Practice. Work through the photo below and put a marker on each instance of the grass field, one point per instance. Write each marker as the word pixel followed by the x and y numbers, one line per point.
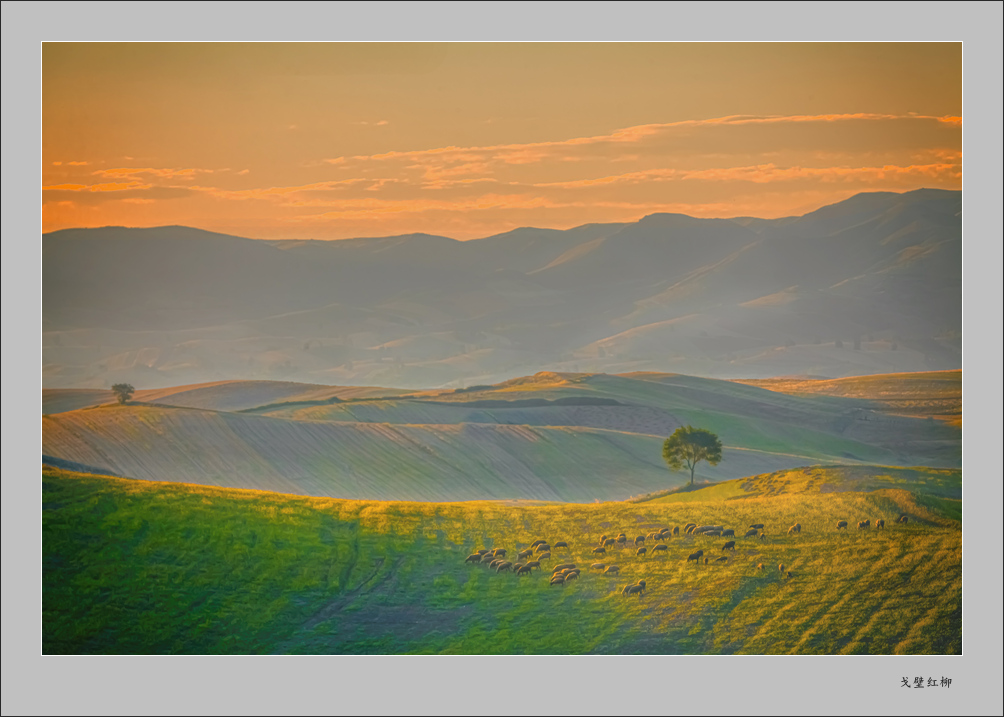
pixel 149 568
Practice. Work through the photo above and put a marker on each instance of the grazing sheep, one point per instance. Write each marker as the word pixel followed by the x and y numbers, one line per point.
pixel 791 530
pixel 622 538
pixel 487 558
pixel 504 565
pixel 558 580
pixel 880 523
pixel 689 529
pixel 565 566
pixel 706 561
pixel 788 574
pixel 535 543
pixel 499 552
pixel 641 584
pixel 660 547
pixel 696 557
pixel 902 519
pixel 639 540
pixel 751 533
pixel 653 535
pixel 495 563
pixel 561 544
pixel 729 533
pixel 864 524
pixel 640 552
pixel 573 575
pixel 730 545
pixel 759 566
pixel 600 551
pixel 633 590
pixel 688 526
pixel 724 558
pixel 524 553
pixel 524 570
pixel 797 527
pixel 543 548
pixel 533 564
pixel 482 551
pixel 611 570
pixel 544 556
pixel 473 558
pixel 757 526
pixel 603 538
pixel 780 567
pixel 597 566
pixel 608 542
pixel 763 536
pixel 841 524
pixel 516 567
pixel 676 530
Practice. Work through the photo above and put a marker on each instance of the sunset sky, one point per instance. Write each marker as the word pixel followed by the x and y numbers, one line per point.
pixel 328 141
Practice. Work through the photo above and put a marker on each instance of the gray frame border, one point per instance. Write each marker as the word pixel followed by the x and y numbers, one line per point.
pixel 32 684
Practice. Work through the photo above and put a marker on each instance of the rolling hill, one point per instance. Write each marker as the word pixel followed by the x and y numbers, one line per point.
pixel 136 567
pixel 869 285
pixel 550 436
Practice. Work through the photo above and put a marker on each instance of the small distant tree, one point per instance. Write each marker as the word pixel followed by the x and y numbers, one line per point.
pixel 688 446
pixel 123 392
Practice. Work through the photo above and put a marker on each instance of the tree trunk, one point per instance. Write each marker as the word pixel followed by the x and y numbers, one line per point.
pixel 692 467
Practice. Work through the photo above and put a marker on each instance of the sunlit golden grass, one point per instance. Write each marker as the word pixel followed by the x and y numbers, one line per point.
pixel 138 567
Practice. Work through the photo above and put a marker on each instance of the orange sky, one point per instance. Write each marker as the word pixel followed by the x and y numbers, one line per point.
pixel 327 141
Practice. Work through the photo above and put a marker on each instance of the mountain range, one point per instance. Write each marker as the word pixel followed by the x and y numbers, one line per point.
pixel 869 285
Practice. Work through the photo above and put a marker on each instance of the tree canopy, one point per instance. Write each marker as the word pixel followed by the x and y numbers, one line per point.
pixel 123 392
pixel 688 446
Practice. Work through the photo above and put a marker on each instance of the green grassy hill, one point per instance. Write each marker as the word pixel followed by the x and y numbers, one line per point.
pixel 136 567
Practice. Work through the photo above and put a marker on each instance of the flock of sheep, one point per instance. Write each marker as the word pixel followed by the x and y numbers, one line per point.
pixel 540 550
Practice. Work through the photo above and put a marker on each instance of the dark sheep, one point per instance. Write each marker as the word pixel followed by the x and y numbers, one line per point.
pixel 729 533
pixel 504 565
pixel 639 540
pixel 543 548
pixel 499 552
pixel 706 560
pixel 535 543
pixel 599 551
pixel 788 574
pixel 676 530
pixel 724 558
pixel 730 545
pixel 516 567
pixel 641 584
pixel 660 547
pixel 757 526
pixel 633 590
pixel 611 570
pixel 696 557
pixel 533 564
pixel 841 524
pixel 791 530
pixel 573 575
pixel 524 553
pixel 880 523
pixel 780 567
pixel 864 524
pixel 640 552
pixel 763 536
pixel 487 558
pixel 603 538
pixel 688 526
pixel 608 542
pixel 797 527
pixel 902 519
pixel 495 563
pixel 561 544
pixel 751 533
pixel 622 538
pixel 558 580
pixel 482 551
pixel 524 570
pixel 597 566
pixel 564 566
pixel 544 556
pixel 473 558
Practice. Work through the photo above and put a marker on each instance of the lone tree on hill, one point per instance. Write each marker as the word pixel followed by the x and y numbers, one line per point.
pixel 688 446
pixel 123 392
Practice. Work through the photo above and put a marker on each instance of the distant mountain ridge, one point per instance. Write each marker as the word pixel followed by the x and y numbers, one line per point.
pixel 868 285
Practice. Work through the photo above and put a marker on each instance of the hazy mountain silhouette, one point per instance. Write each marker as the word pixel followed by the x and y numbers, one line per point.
pixel 871 284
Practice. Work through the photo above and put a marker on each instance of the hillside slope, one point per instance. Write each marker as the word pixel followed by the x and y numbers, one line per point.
pixel 132 567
